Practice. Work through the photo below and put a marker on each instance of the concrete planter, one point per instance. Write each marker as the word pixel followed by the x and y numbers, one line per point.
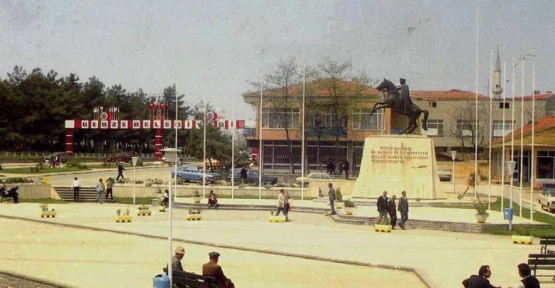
pixel 197 199
pixel 144 213
pixel 123 219
pixel 523 239
pixel 382 228
pixel 48 214
pixel 338 205
pixel 481 218
pixel 194 217
pixel 161 209
pixel 349 210
pixel 277 219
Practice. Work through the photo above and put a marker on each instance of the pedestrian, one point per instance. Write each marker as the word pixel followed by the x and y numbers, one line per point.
pixel 76 185
pixel 346 168
pixel 528 281
pixel 382 206
pixel 120 171
pixel 282 204
pixel 330 167
pixel 214 270
pixel 176 260
pixel 331 195
pixel 391 209
pixel 404 209
pixel 180 162
pixel 212 200
pixel 99 191
pixel 480 280
pixel 166 200
pixel 341 167
pixel 109 187
pixel 243 175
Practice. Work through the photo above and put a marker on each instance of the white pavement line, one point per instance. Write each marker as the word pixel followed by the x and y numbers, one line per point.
pixel 33 279
pixel 240 248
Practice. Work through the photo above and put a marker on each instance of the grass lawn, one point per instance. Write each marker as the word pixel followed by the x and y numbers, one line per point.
pixel 43 201
pixel 129 200
pixel 42 171
pixel 538 216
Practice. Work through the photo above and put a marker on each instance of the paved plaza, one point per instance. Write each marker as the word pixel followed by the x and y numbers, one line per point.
pixel 442 259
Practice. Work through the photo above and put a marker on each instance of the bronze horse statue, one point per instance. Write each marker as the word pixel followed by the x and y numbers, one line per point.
pixel 392 101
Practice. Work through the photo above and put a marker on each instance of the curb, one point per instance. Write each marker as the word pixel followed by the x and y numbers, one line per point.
pixel 7 175
pixel 30 278
pixel 233 247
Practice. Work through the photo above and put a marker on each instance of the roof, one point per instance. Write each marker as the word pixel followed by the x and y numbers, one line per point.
pixel 541 125
pixel 296 89
pixel 453 94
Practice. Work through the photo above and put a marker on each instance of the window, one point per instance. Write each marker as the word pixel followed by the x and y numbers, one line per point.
pixel 464 128
pixel 498 128
pixel 362 120
pixel 435 128
pixel 432 104
pixel 507 105
pixel 327 121
pixel 276 118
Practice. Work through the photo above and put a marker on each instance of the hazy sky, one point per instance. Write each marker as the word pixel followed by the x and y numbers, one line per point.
pixel 204 46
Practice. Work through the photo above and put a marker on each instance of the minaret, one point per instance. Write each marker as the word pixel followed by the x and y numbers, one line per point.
pixel 497 87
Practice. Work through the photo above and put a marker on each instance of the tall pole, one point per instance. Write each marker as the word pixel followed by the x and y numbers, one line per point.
pixel 233 143
pixel 260 147
pixel 522 128
pixel 134 185
pixel 453 177
pixel 204 145
pixel 490 128
pixel 170 235
pixel 533 168
pixel 176 118
pixel 302 134
pixel 476 110
pixel 503 139
pixel 513 125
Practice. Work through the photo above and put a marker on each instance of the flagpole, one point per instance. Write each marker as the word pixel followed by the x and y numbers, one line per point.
pixel 522 127
pixel 204 144
pixel 260 147
pixel 233 143
pixel 476 110
pixel 490 126
pixel 302 135
pixel 513 128
pixel 503 142
pixel 533 168
pixel 176 119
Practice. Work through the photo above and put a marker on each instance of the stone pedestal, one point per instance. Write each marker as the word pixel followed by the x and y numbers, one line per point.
pixel 396 163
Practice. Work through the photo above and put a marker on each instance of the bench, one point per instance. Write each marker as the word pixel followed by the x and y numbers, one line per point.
pixel 192 280
pixel 545 241
pixel 541 262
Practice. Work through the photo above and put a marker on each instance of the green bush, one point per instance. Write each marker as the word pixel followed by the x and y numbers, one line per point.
pixel 338 195
pixel 522 230
pixel 18 180
pixel 349 203
pixel 76 163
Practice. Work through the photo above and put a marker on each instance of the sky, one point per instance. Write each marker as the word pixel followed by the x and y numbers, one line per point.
pixel 212 48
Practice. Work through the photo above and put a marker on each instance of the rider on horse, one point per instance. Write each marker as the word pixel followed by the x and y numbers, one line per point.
pixel 404 102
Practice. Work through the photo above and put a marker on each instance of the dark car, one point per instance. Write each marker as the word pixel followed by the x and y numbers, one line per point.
pixel 121 157
pixel 252 177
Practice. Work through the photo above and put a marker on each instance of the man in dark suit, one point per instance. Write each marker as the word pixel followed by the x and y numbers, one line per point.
pixel 480 280
pixel 391 209
pixel 404 209
pixel 382 206
pixel 214 270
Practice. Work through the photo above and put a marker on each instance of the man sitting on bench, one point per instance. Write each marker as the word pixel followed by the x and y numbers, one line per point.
pixel 12 193
pixel 214 270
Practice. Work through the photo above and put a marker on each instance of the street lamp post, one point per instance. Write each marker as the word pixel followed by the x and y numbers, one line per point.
pixel 511 169
pixel 134 161
pixel 453 156
pixel 170 156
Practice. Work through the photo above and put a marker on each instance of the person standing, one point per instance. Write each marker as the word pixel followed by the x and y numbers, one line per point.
pixel 214 270
pixel 528 281
pixel 212 200
pixel 331 195
pixel 120 171
pixel 243 175
pixel 480 280
pixel 282 204
pixel 382 206
pixel 404 209
pixel 99 191
pixel 76 185
pixel 109 187
pixel 346 168
pixel 391 208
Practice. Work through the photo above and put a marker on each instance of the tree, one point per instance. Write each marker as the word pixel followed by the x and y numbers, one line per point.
pixel 463 118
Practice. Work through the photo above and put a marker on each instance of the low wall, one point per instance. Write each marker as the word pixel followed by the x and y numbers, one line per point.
pixel 32 191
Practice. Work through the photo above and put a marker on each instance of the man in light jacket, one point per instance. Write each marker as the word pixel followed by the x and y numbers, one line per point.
pixel 99 191
pixel 282 201
pixel 76 185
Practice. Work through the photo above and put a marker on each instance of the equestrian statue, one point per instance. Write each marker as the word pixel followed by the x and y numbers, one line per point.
pixel 401 103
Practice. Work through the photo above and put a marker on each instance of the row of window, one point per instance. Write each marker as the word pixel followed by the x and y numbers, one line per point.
pixel 502 105
pixel 465 128
pixel 290 118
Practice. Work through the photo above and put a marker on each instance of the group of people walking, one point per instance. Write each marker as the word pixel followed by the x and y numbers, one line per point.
pixel 388 207
pixel 211 268
pixel 343 166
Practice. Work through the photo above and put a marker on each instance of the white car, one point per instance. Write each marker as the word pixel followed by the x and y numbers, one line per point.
pixel 313 176
pixel 547 200
pixel 444 173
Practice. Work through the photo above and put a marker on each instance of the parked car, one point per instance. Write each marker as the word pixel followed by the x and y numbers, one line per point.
pixel 547 200
pixel 444 174
pixel 120 157
pixel 190 173
pixel 252 177
pixel 216 176
pixel 313 176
